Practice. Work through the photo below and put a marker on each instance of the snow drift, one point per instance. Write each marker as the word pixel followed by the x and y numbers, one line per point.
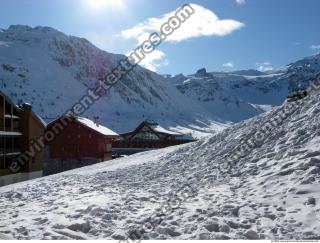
pixel 271 192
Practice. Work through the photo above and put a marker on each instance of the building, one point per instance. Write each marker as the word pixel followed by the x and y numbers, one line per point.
pixel 19 126
pixel 148 135
pixel 82 142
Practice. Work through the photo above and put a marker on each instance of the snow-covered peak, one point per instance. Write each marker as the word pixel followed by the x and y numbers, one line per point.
pixel 201 72
pixel 52 71
pixel 238 95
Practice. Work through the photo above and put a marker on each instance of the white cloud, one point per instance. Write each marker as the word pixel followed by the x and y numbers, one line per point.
pixel 228 65
pixel 241 2
pixel 203 22
pixel 264 66
pixel 166 62
pixel 153 60
pixel 315 47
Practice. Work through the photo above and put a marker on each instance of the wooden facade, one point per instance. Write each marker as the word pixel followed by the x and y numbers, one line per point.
pixel 82 138
pixel 148 135
pixel 19 126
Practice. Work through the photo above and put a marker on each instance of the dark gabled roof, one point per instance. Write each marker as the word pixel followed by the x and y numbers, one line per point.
pixel 154 127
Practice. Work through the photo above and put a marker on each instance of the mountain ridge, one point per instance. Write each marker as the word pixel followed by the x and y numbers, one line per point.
pixel 51 71
pixel 239 95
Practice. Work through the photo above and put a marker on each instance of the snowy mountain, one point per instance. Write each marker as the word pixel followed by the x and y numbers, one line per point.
pixel 52 71
pixel 271 190
pixel 235 96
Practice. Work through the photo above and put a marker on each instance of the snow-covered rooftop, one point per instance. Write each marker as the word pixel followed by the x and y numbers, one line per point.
pixel 159 128
pixel 99 128
pixel 40 119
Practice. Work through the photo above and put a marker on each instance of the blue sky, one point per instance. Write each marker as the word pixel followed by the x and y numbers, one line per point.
pixel 274 32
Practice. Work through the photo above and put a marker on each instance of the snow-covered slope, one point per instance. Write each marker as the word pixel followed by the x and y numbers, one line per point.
pixel 235 96
pixel 271 191
pixel 52 71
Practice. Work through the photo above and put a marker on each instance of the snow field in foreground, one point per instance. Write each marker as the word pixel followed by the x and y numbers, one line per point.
pixel 273 194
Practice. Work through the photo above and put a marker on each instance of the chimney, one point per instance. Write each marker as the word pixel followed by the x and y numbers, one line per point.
pixel 26 107
pixel 95 120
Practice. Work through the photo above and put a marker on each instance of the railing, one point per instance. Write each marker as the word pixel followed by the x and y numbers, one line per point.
pixel 8 152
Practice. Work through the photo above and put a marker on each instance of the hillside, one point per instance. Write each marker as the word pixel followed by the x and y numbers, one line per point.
pixel 269 192
pixel 239 95
pixel 52 71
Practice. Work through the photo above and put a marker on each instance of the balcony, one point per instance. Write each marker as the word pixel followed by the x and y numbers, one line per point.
pixel 10 146
pixel 10 133
pixel 9 152
pixel 9 124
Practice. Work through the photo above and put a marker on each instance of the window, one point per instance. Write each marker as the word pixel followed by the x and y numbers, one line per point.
pixel 16 126
pixel 79 136
pixel 1 145
pixel 145 129
pixel 145 136
pixel 2 163
pixel 8 124
pixel 109 147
